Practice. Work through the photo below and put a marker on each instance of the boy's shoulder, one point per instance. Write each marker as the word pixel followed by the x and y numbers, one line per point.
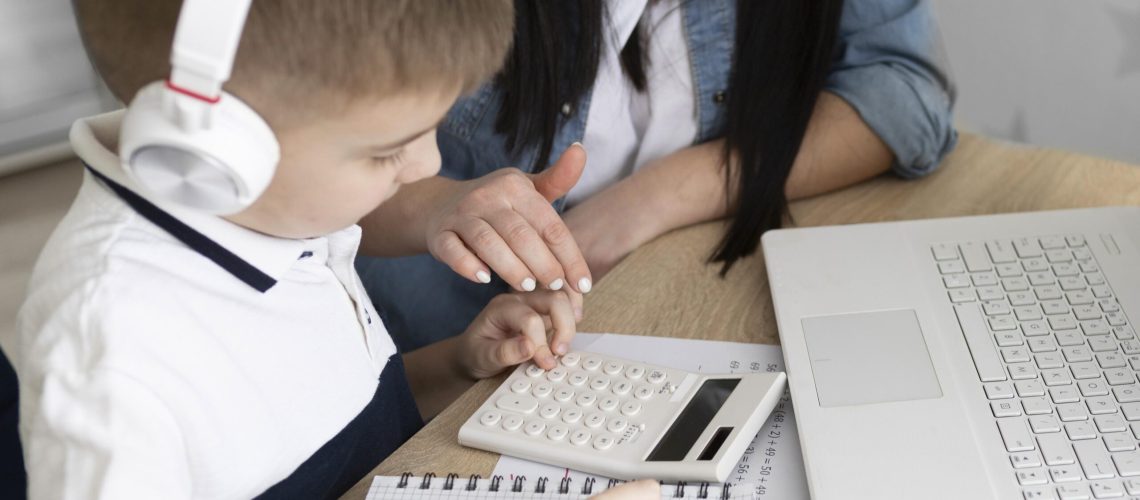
pixel 104 273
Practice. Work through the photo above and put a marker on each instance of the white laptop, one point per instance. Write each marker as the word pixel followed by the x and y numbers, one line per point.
pixel 964 358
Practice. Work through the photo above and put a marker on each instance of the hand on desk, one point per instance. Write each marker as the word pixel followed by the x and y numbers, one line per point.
pixel 645 489
pixel 503 222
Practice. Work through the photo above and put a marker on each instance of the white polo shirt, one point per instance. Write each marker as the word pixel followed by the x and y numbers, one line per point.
pixel 155 368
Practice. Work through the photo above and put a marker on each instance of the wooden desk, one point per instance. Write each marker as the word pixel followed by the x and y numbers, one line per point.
pixel 665 288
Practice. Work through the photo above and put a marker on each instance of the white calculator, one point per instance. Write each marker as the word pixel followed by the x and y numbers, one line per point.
pixel 625 420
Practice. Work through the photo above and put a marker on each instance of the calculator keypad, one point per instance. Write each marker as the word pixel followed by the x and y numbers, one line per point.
pixel 585 401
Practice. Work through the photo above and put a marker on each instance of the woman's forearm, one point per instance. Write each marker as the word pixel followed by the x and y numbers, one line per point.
pixel 838 150
pixel 688 187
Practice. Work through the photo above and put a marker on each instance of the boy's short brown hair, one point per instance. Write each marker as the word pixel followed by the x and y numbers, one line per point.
pixel 300 57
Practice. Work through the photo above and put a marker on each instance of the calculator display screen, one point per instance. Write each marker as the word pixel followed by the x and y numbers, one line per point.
pixel 689 426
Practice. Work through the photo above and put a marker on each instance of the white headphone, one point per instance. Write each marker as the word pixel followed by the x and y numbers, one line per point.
pixel 185 140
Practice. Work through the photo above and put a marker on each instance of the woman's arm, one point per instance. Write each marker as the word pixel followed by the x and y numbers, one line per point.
pixel 688 187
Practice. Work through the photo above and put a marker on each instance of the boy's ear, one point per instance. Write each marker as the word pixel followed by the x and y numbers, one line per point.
pixel 554 182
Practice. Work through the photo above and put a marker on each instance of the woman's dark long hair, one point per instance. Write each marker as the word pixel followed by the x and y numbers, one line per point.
pixel 783 52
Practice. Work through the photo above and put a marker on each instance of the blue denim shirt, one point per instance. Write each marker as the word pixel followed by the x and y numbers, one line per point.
pixel 889 67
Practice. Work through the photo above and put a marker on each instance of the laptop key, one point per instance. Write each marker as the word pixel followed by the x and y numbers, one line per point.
pixel 1027 247
pixel 1094 459
pixel 1107 489
pixel 1065 473
pixel 1127 393
pixel 1127 463
pixel 976 257
pixel 1056 449
pixel 1110 424
pixel 1024 459
pixel 998 390
pixel 1015 434
pixel 1073 492
pixel 1119 441
pixel 1001 251
pixel 945 251
pixel 1052 242
pixel 1041 424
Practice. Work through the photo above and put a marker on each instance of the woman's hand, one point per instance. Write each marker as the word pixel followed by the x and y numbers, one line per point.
pixel 503 222
pixel 515 328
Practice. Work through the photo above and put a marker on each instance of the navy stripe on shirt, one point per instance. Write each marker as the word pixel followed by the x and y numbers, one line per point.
pixel 197 241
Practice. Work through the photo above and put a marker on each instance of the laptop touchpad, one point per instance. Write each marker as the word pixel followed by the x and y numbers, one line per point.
pixel 872 357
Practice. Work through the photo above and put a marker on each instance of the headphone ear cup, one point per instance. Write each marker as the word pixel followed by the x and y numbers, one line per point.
pixel 213 157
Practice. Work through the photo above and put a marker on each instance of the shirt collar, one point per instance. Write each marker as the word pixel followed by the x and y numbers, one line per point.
pixel 257 259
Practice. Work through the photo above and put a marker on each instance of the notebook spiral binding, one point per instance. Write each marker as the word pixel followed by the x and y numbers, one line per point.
pixel 518 485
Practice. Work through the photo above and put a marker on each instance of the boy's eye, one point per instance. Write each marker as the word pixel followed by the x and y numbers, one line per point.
pixel 389 159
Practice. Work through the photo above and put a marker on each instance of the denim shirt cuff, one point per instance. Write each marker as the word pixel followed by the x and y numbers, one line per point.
pixel 912 116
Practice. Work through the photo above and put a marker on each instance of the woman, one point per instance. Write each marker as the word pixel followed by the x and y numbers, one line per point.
pixel 692 110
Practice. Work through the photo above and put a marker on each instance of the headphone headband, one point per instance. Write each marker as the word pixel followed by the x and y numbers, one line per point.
pixel 205 42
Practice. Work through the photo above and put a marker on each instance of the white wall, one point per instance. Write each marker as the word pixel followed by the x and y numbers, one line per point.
pixel 1059 73
pixel 45 81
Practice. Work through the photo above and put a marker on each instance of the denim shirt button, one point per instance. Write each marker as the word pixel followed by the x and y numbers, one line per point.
pixel 719 97
pixel 567 109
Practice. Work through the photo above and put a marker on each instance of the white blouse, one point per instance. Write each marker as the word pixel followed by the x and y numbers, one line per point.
pixel 627 129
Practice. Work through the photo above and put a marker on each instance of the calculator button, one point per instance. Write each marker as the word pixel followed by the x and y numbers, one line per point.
pixel 520 386
pixel 571 359
pixel 630 408
pixel 534 427
pixel 599 383
pixel 586 399
pixel 608 403
pixel 578 378
pixel 556 375
pixel 592 363
pixel 617 425
pixel 634 372
pixel 603 442
pixel 656 377
pixel 543 390
pixel 563 394
pixel 572 415
pixel 612 367
pixel 534 371
pixel 490 418
pixel 622 388
pixel 557 432
pixel 512 422
pixel 580 437
pixel 643 392
pixel 549 410
pixel 520 403
pixel 595 420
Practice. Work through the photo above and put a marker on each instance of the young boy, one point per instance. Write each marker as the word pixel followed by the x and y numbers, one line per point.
pixel 151 368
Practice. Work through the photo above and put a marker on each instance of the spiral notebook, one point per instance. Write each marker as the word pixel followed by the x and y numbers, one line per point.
pixel 452 487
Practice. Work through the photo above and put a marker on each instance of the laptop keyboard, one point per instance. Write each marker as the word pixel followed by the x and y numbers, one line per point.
pixel 1057 359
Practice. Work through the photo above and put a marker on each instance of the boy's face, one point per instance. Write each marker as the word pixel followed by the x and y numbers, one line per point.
pixel 337 169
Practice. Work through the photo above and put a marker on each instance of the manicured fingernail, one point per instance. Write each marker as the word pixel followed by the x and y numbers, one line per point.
pixel 560 348
pixel 483 277
pixel 584 285
pixel 556 284
pixel 528 284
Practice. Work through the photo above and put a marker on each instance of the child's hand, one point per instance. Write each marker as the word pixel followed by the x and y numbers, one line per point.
pixel 645 489
pixel 503 222
pixel 515 328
